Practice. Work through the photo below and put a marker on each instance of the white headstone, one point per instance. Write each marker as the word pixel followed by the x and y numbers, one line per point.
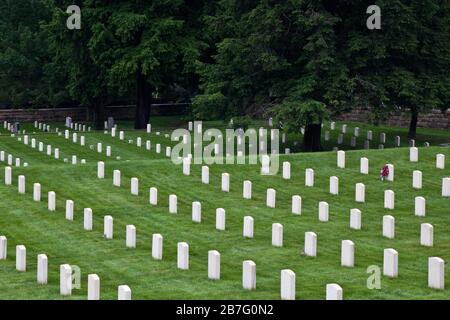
pixel 347 253
pixel 33 143
pixel 310 247
pixel 121 135
pixel 130 236
pixel 214 265
pixel 116 178
pixel 108 227
pixel 369 135
pixel 271 198
pixel 419 206
pixel 225 182
pixel 248 227
pixel 100 169
pixel 247 189
pixel 186 166
pixel 21 184
pixel 287 286
pixel 123 292
pixel 249 275
pixel 158 148
pixel 21 258
pixel 364 165
pixel 205 174
pixel 69 209
pixel 74 159
pixel 157 246
pixel 417 179
pixel 277 235
pixel 446 187
pixel 41 146
pixel 327 135
pixel 265 164
pixel 220 219
pixel 93 287
pixel 426 235
pixel 360 192
pixel 108 151
pixel 436 273
pixel 323 211
pixel 87 219
pixel 153 196
pixel 309 177
pixel 355 219
pixel 42 269
pixel 334 292
pixel 389 199
pixel 341 159
pixel 183 256
pixel 37 192
pixel 440 161
pixel 65 280
pixel 286 170
pixel 334 185
pixel 389 227
pixel 8 176
pixel 196 211
pixel 56 153
pixel 296 205
pixel 390 263
pixel 51 201
pixel 172 203
pixel 390 176
pixel 413 154
pixel 135 186
pixel 3 247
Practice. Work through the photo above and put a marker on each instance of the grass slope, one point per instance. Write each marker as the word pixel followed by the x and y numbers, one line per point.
pixel 24 221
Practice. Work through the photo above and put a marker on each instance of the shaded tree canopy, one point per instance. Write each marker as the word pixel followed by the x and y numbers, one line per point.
pixel 301 61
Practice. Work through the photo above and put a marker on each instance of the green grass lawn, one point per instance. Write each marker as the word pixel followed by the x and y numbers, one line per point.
pixel 26 222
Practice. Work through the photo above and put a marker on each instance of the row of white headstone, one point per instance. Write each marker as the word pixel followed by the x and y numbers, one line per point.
pixel 357 133
pixel 10 159
pixel 65 274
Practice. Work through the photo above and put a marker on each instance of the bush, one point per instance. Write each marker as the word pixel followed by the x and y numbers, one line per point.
pixel 240 122
pixel 209 106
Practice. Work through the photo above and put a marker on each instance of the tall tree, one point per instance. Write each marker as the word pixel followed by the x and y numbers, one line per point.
pixel 23 53
pixel 72 61
pixel 142 45
pixel 403 66
pixel 275 57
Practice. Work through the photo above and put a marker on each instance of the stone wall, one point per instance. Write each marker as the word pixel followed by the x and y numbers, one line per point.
pixel 434 119
pixel 28 115
pixel 83 114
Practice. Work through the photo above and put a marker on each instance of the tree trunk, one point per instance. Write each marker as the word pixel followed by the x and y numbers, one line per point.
pixel 311 139
pixel 143 102
pixel 99 116
pixel 413 124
